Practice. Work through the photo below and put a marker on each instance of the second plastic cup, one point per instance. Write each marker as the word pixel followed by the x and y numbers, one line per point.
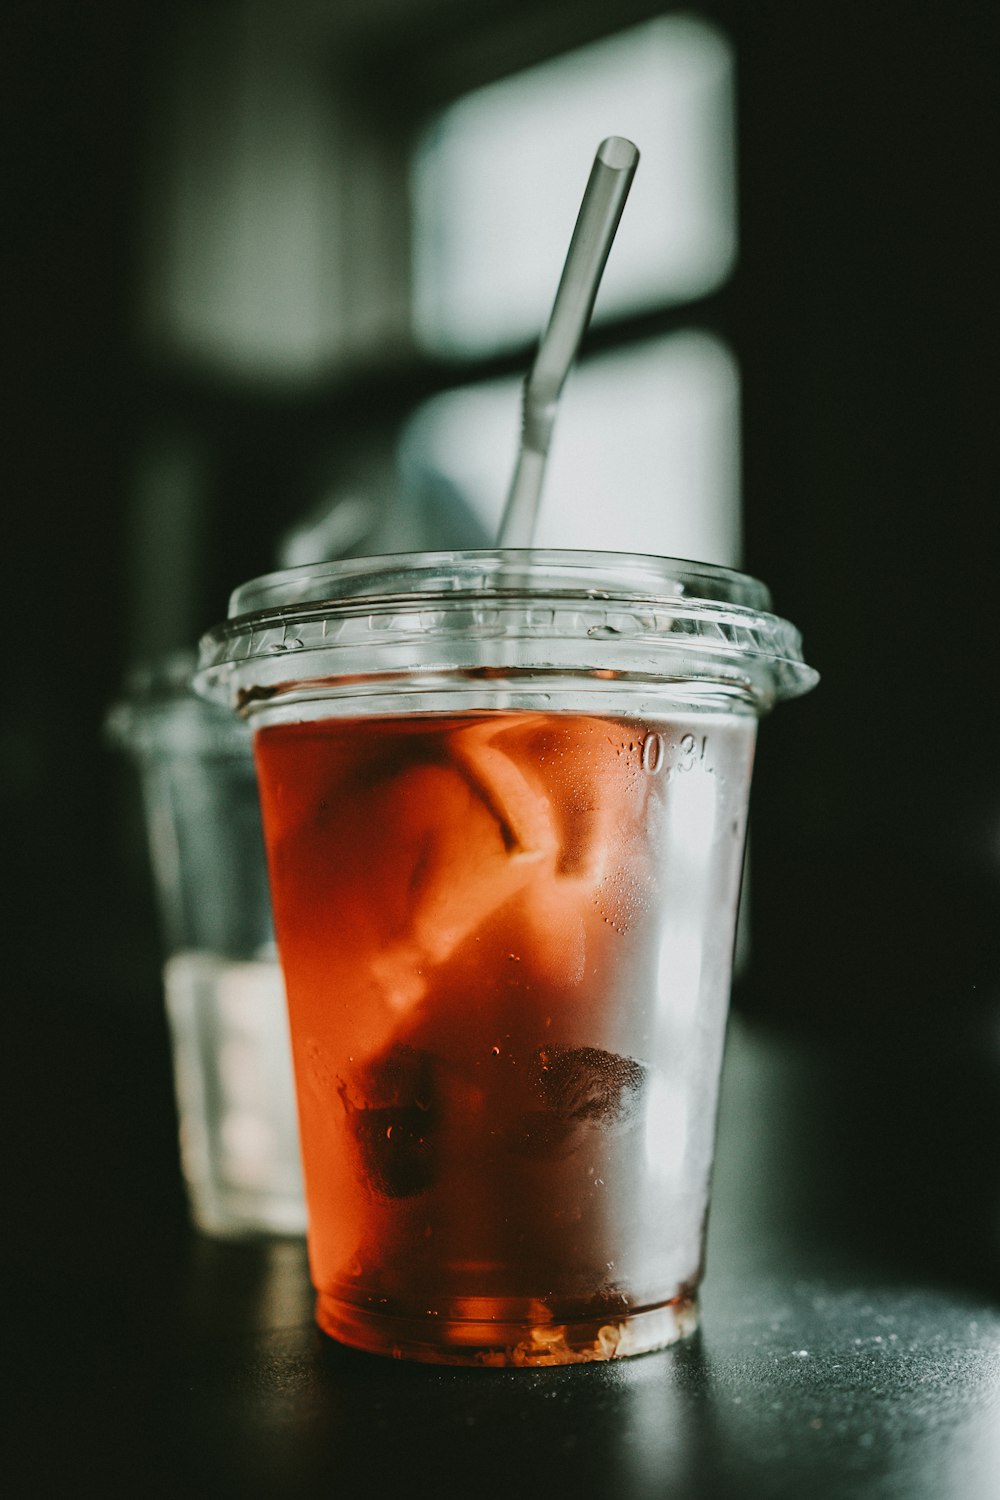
pixel 222 983
pixel 505 801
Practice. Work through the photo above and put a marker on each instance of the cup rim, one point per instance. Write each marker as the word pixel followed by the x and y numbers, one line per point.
pixel 322 628
pixel 492 570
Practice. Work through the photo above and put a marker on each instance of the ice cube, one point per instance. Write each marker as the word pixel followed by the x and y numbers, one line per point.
pixel 523 810
pixel 393 1114
pixel 569 795
pixel 535 816
pixel 455 862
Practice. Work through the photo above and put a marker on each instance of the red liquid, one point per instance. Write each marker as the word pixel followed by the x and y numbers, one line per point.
pixel 469 912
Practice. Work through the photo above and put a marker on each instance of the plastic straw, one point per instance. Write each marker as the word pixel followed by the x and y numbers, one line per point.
pixel 596 225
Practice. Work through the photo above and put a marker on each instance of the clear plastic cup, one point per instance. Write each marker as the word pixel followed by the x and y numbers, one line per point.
pixel 505 800
pixel 223 985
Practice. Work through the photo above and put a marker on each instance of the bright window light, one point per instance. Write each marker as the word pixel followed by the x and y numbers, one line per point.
pixel 645 455
pixel 498 178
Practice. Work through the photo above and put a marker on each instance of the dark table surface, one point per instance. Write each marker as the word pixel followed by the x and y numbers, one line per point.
pixel 850 1338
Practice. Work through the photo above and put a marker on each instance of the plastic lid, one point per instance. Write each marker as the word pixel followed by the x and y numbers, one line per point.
pixel 512 613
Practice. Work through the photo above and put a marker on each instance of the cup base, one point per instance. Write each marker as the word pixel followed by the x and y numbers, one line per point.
pixel 513 1341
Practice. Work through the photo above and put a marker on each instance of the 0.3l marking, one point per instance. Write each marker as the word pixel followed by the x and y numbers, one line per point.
pixel 690 751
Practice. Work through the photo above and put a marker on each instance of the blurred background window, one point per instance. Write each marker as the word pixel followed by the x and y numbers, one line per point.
pixel 498 177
